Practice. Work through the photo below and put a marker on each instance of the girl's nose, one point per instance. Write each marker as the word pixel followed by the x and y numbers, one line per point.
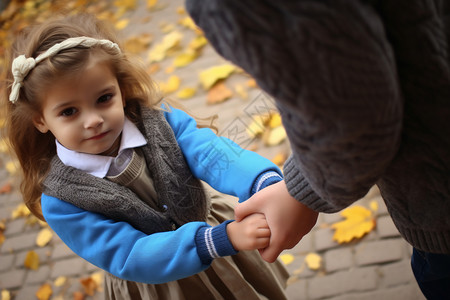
pixel 92 120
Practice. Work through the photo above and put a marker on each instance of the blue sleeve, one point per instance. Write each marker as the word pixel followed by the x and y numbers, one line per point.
pixel 219 161
pixel 127 253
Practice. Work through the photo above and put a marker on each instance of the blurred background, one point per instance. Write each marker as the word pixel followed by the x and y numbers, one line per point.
pixel 355 254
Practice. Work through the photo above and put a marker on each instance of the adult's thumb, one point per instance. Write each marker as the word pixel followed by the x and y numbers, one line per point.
pixel 244 209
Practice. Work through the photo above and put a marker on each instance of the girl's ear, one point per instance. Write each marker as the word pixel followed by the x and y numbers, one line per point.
pixel 40 124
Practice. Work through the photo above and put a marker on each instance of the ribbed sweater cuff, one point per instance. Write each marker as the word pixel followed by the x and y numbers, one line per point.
pixel 300 189
pixel 264 180
pixel 213 242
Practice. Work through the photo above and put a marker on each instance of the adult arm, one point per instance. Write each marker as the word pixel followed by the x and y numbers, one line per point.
pixel 331 69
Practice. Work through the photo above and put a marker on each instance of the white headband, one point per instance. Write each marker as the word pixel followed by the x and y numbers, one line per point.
pixel 21 65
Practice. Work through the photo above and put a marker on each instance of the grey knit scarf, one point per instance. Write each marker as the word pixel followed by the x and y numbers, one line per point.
pixel 181 195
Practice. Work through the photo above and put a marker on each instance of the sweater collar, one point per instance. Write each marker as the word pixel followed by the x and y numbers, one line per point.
pixel 98 165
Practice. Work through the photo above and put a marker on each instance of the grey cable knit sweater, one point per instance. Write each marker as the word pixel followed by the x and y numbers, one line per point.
pixel 364 91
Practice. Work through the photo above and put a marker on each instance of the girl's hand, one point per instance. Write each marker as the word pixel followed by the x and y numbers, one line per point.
pixel 289 220
pixel 250 233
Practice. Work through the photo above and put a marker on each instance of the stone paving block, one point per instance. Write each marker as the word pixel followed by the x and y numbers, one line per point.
pixel 61 250
pixel 383 251
pixel 68 267
pixel 20 242
pixel 299 269
pixel 338 259
pixel 403 292
pixel 358 279
pixel 386 227
pixel 27 292
pixel 6 261
pixel 396 273
pixel 323 239
pixel 14 227
pixel 6 211
pixel 40 275
pixel 43 254
pixel 297 290
pixel 12 279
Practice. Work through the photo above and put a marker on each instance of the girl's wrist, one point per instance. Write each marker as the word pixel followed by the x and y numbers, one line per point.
pixel 213 242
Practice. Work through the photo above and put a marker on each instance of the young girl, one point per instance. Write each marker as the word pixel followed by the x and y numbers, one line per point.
pixel 116 174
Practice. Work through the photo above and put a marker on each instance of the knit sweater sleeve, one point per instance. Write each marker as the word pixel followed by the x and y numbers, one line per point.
pixel 127 253
pixel 331 69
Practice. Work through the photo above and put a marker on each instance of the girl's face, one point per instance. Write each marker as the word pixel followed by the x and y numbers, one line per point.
pixel 85 113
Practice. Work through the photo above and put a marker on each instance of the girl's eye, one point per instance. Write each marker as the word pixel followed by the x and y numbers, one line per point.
pixel 68 112
pixel 105 98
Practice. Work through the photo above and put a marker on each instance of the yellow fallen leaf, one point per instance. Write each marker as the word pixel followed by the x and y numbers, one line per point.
pixel 11 167
pixel 181 10
pixel 172 84
pixel 184 59
pixel 125 4
pixel 169 70
pixel 2 238
pixel 256 127
pixel 251 83
pixel 211 75
pixel 44 237
pixel 166 27
pixel 98 277
pixel 279 159
pixel 20 211
pixel 374 206
pixel 287 258
pixel 358 221
pixel 313 261
pixel 186 93
pixel 122 24
pixel 6 295
pixel 31 260
pixel 275 120
pixel 44 292
pixel 153 68
pixel 159 50
pixel 3 146
pixel 89 286
pixel 137 44
pixel 218 93
pixel 188 23
pixel 241 91
pixel 60 281
pixel 198 43
pixel 151 3
pixel 275 136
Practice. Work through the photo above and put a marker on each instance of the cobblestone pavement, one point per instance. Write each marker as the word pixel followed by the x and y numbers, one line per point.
pixel 374 267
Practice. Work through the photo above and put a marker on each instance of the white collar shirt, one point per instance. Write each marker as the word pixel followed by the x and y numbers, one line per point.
pixel 99 165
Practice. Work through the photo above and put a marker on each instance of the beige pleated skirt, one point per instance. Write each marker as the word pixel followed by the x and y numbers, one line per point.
pixel 245 276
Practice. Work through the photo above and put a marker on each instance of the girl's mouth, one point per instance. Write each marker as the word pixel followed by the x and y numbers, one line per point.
pixel 97 137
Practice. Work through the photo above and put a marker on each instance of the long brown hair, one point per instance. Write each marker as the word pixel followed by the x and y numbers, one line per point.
pixel 34 150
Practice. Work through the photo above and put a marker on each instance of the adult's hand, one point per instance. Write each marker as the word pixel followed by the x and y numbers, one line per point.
pixel 288 219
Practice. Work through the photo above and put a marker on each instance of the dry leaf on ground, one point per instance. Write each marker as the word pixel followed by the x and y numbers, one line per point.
pixel 358 222
pixel 218 93
pixel 186 93
pixel 313 261
pixel 287 258
pixel 211 75
pixel 44 237
pixel 31 260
